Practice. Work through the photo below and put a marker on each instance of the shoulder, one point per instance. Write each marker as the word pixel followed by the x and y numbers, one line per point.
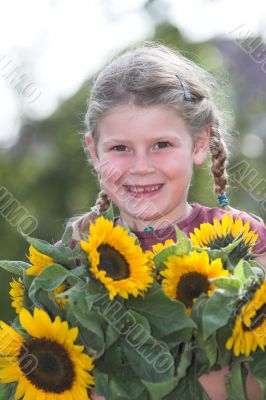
pixel 207 214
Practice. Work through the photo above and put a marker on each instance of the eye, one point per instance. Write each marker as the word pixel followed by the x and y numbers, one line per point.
pixel 119 147
pixel 164 144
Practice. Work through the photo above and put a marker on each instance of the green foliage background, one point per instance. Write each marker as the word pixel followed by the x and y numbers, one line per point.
pixel 47 171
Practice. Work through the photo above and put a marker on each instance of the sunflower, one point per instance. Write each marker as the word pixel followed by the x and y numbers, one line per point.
pixel 221 234
pixel 38 260
pixel 47 365
pixel 17 292
pixel 61 301
pixel 187 277
pixel 249 330
pixel 150 262
pixel 156 248
pixel 116 260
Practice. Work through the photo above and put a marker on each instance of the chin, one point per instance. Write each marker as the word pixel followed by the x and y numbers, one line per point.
pixel 148 219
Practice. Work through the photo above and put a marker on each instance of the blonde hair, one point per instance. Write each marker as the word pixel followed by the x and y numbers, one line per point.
pixel 154 74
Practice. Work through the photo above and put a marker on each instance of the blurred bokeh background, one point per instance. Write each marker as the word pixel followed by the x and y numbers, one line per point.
pixel 50 51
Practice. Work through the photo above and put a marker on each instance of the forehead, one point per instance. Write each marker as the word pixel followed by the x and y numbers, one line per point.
pixel 131 121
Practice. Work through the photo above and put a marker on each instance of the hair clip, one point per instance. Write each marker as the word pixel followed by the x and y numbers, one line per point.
pixel 223 200
pixel 187 95
pixel 96 210
pixel 148 229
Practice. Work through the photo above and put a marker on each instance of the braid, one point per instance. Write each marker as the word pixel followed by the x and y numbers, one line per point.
pixel 219 160
pixel 81 225
pixel 103 202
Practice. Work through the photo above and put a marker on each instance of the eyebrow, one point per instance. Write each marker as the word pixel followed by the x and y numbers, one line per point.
pixel 167 137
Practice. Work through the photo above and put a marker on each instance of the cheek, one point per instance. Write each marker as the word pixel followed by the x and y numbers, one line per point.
pixel 177 166
pixel 112 168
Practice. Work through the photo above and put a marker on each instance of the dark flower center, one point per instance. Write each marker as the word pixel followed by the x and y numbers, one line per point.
pixel 47 365
pixel 240 251
pixel 257 320
pixel 219 242
pixel 114 263
pixel 191 286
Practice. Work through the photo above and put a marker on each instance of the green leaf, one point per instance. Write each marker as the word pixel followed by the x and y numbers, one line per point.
pixel 164 314
pixel 141 321
pixel 163 255
pixel 185 361
pixel 176 338
pixel 181 247
pixel 197 309
pixel 101 383
pixel 151 361
pixel 188 388
pixel 232 245
pixel 14 267
pixel 258 270
pixel 48 280
pixel 258 368
pixel 243 271
pixel 224 355
pixel 235 381
pixel 96 288
pixel 43 299
pixel 207 346
pixel 76 290
pixel 217 253
pixel 7 392
pixel 111 336
pixel 201 249
pixel 230 283
pixel 109 214
pixel 183 242
pixel 67 235
pixel 217 311
pixel 79 293
pixel 4 395
pixel 60 254
pixel 92 323
pixel 111 360
pixel 125 385
pixel 158 390
pixel 210 348
pixel 53 276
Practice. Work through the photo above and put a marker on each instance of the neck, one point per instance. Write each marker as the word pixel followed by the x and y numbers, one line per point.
pixel 160 223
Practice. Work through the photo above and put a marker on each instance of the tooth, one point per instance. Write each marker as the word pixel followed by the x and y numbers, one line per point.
pixel 141 190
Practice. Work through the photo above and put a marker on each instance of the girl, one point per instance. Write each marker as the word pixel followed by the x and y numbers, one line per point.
pixel 151 117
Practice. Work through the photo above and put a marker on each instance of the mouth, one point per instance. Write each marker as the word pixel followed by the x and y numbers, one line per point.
pixel 143 190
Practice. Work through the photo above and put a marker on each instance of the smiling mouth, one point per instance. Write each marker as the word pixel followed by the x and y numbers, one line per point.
pixel 143 189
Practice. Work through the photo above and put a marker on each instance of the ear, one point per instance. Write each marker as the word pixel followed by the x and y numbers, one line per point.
pixel 201 146
pixel 91 147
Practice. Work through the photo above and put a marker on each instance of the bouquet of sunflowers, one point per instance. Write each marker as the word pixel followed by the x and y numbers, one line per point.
pixel 135 325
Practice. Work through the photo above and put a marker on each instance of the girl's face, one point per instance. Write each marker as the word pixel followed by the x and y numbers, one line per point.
pixel 145 156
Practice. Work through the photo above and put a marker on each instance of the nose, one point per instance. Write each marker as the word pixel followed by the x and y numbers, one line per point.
pixel 141 165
